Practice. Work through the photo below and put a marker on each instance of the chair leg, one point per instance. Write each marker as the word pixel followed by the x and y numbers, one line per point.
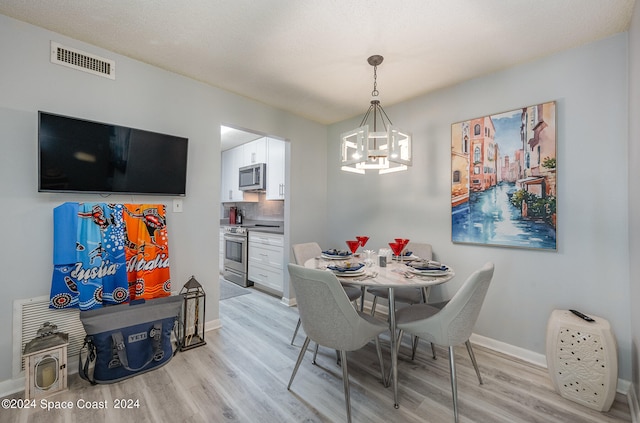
pixel 414 346
pixel 454 383
pixel 345 380
pixel 315 353
pixel 373 304
pixel 400 335
pixel 473 360
pixel 379 351
pixel 295 369
pixel 295 332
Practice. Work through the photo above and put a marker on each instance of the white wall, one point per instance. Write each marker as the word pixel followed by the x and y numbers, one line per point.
pixel 590 270
pixel 634 193
pixel 142 97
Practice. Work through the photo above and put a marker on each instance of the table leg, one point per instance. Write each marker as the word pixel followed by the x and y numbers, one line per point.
pixel 394 349
pixel 364 290
pixel 425 293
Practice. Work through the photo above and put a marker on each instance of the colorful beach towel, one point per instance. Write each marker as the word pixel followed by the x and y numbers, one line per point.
pixel 147 251
pixel 102 252
pixel 64 290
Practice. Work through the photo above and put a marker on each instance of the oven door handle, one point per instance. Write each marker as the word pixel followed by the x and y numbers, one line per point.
pixel 239 238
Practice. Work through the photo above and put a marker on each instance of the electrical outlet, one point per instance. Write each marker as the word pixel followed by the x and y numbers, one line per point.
pixel 177 206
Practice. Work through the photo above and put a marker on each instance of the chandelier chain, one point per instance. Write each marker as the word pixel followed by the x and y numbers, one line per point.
pixel 375 92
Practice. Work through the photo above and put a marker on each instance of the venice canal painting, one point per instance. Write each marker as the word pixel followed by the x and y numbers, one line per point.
pixel 503 179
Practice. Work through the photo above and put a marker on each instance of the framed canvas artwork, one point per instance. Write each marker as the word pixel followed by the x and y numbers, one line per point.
pixel 503 179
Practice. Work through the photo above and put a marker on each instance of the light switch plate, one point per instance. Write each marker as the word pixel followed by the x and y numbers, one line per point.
pixel 177 206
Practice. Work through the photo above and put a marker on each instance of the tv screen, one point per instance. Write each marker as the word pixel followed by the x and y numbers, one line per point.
pixel 77 155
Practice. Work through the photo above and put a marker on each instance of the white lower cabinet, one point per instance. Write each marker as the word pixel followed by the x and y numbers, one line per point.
pixel 266 260
pixel 221 250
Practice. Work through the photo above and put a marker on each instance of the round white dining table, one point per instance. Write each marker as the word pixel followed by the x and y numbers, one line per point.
pixel 394 275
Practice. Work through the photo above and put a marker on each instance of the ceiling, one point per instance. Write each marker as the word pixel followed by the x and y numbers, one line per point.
pixel 310 57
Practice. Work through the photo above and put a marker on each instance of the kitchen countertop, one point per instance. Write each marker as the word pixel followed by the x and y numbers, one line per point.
pixel 268 226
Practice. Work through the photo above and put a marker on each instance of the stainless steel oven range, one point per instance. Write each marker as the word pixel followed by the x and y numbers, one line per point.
pixel 236 255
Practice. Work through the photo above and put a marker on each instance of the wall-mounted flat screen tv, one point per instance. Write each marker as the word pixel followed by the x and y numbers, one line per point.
pixel 77 155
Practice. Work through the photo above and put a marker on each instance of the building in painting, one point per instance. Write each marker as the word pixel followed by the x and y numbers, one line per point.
pixel 459 163
pixel 484 155
pixel 538 134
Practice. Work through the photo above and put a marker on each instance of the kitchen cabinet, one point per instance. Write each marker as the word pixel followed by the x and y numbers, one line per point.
pixel 231 161
pixel 254 152
pixel 230 164
pixel 275 169
pixel 221 252
pixel 266 260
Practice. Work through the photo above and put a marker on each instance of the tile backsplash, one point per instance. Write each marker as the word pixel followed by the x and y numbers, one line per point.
pixel 262 210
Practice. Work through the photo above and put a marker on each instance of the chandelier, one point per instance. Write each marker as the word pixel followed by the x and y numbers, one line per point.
pixel 384 148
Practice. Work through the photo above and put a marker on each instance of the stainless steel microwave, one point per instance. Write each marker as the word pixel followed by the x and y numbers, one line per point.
pixel 253 177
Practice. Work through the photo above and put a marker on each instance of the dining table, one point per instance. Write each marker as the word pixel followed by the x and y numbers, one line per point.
pixel 395 274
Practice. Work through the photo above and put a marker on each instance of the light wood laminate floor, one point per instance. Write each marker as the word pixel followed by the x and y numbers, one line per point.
pixel 241 375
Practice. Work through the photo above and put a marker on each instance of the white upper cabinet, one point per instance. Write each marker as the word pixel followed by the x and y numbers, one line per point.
pixel 254 152
pixel 230 164
pixel 275 169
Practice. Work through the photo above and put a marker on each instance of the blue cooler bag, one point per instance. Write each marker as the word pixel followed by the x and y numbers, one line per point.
pixel 128 339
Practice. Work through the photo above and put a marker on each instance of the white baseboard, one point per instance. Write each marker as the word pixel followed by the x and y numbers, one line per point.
pixel 213 325
pixel 289 302
pixel 508 349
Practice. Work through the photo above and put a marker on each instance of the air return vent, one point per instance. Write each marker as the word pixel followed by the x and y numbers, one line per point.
pixel 29 314
pixel 82 61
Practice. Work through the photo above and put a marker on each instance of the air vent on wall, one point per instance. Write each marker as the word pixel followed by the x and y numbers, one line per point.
pixel 82 61
pixel 29 314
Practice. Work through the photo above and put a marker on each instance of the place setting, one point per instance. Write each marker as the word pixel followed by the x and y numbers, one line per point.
pixel 335 254
pixel 342 265
pixel 338 254
pixel 351 271
pixel 427 268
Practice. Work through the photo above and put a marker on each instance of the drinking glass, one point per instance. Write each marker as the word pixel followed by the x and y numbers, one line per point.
pixel 404 242
pixel 397 248
pixel 353 245
pixel 363 240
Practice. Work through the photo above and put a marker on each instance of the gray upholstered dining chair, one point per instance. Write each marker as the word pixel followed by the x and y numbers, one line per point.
pixel 329 319
pixel 407 295
pixel 452 324
pixel 305 251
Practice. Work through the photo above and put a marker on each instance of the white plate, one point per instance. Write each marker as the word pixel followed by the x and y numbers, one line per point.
pixel 328 257
pixel 349 273
pixel 434 272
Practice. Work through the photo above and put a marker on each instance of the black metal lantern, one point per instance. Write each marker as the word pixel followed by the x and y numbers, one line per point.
pixel 192 319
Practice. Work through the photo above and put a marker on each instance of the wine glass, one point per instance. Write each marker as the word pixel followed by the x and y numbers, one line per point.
pixel 363 240
pixel 353 245
pixel 404 242
pixel 397 248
